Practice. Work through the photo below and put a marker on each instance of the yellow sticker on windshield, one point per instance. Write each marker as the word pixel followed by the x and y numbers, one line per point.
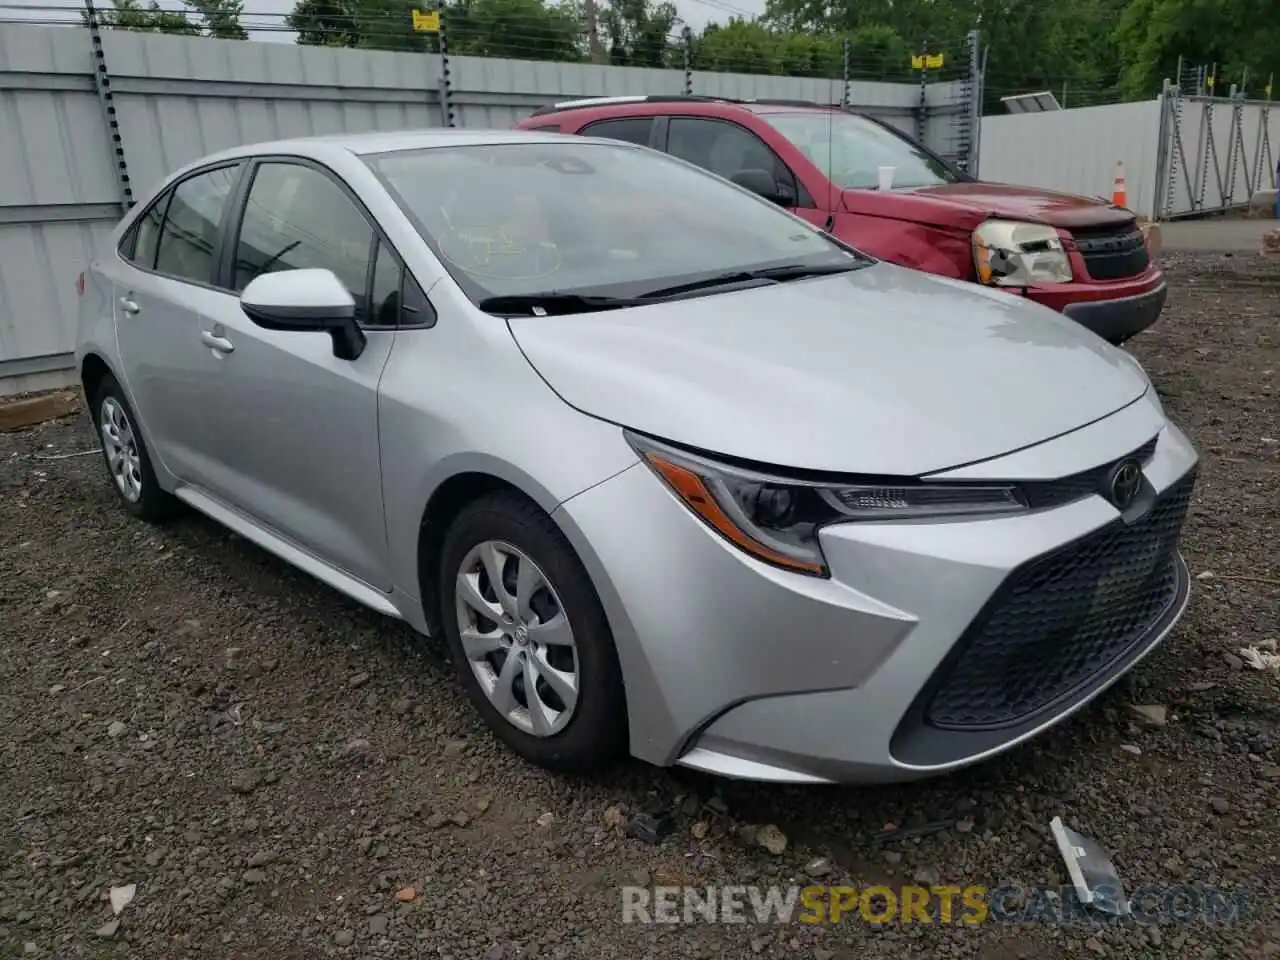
pixel 498 253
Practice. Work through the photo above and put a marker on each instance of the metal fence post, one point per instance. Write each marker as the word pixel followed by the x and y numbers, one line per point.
pixel 922 110
pixel 973 91
pixel 686 51
pixel 844 94
pixel 446 92
pixel 102 83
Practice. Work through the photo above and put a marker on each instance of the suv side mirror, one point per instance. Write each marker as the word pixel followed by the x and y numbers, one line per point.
pixel 310 299
pixel 762 183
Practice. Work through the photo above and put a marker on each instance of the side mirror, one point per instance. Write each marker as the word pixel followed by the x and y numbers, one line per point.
pixel 762 183
pixel 311 299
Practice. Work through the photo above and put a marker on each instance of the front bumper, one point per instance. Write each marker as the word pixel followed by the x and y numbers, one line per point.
pixel 1118 320
pixel 1113 309
pixel 740 669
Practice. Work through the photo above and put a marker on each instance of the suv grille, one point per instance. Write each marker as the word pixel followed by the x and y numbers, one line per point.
pixel 1063 619
pixel 1112 253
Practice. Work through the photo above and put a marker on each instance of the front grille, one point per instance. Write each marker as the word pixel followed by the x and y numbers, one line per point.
pixel 1055 493
pixel 1063 619
pixel 1110 253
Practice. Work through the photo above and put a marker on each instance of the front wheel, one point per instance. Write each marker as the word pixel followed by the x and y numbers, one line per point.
pixel 529 638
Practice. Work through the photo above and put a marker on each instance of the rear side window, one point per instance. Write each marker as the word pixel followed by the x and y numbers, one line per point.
pixel 189 234
pixel 545 127
pixel 630 130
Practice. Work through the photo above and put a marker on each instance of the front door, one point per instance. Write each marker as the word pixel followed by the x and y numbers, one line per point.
pixel 295 428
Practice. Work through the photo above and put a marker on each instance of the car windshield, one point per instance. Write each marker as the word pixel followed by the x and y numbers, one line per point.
pixel 850 150
pixel 590 218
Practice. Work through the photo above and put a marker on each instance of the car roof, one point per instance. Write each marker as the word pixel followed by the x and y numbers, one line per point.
pixel 374 142
pixel 691 102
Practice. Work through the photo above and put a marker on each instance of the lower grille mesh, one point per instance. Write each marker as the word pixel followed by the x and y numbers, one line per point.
pixel 1062 619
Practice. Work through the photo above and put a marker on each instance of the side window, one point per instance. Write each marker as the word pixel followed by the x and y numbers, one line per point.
pixel 728 150
pixel 546 127
pixel 140 249
pixel 296 217
pixel 631 129
pixel 384 302
pixel 190 230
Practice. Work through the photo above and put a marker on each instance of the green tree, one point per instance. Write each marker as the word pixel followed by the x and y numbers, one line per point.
pixel 217 18
pixel 637 33
pixel 518 29
pixel 1241 36
pixel 132 15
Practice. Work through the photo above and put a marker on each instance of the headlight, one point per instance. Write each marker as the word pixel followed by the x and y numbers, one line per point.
pixel 776 519
pixel 1007 253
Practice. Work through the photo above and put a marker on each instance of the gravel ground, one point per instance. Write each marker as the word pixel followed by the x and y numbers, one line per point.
pixel 272 766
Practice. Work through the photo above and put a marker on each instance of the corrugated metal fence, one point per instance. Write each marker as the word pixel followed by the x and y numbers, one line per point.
pixel 168 100
pixel 1184 156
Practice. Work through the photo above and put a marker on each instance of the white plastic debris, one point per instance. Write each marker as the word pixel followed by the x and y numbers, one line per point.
pixel 1092 874
pixel 1262 656
pixel 121 897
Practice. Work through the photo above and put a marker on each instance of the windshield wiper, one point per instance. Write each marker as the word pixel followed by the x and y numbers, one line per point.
pixel 552 303
pixel 793 271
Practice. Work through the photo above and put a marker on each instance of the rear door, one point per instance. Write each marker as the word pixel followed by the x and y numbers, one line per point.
pixel 295 428
pixel 162 283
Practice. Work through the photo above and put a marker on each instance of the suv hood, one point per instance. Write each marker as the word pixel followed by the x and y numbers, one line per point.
pixel 965 205
pixel 879 371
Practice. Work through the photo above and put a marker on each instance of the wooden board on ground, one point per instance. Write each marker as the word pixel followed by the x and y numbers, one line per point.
pixel 28 411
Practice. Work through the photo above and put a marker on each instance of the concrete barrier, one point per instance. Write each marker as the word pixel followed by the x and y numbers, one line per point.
pixel 1263 205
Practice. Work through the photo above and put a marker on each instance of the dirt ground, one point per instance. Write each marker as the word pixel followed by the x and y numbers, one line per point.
pixel 271 765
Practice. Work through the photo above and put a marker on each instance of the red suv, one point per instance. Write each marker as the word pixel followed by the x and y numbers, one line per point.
pixel 880 191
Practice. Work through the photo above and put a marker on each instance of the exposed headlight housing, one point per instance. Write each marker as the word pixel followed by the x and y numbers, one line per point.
pixel 1008 253
pixel 776 519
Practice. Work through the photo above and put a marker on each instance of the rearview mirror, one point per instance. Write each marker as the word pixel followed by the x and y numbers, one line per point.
pixel 762 183
pixel 310 299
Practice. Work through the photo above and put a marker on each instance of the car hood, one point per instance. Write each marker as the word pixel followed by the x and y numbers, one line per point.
pixel 966 205
pixel 881 370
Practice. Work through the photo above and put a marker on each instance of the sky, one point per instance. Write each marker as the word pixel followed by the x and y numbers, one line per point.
pixel 696 13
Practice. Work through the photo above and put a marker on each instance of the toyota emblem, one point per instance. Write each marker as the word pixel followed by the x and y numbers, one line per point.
pixel 1124 484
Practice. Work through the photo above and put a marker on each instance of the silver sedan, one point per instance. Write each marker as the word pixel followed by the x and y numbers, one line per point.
pixel 670 470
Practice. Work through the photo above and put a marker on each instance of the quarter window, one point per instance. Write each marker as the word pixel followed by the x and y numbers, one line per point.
pixel 146 235
pixel 296 217
pixel 189 235
pixel 384 305
pixel 630 130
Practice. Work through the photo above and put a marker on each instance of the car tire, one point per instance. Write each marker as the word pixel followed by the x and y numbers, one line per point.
pixel 510 531
pixel 125 454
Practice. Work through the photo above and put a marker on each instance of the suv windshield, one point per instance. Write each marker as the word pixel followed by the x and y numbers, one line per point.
pixel 607 220
pixel 849 150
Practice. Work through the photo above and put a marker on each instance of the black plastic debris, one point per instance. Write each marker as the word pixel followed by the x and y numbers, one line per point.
pixel 1091 871
pixel 649 827
pixel 907 833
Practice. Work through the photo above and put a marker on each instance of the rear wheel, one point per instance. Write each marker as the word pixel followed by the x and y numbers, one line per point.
pixel 126 456
pixel 529 637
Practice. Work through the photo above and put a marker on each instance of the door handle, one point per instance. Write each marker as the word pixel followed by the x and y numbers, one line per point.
pixel 129 305
pixel 221 344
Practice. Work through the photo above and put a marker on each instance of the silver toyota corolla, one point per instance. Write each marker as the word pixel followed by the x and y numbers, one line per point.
pixel 669 469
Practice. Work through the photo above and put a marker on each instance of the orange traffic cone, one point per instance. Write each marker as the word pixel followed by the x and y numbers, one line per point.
pixel 1117 188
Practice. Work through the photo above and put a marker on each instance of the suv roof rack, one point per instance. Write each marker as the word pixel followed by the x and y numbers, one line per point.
pixel 676 98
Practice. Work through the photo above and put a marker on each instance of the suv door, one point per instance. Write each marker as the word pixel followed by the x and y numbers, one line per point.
pixel 162 282
pixel 729 150
pixel 294 427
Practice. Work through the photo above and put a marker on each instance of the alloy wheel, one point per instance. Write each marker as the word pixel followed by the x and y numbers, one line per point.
pixel 120 444
pixel 516 638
